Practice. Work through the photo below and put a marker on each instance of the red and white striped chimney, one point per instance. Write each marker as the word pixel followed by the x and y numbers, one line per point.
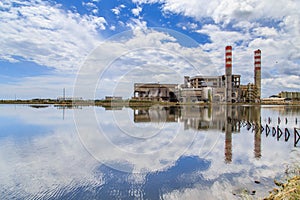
pixel 228 73
pixel 257 72
pixel 228 56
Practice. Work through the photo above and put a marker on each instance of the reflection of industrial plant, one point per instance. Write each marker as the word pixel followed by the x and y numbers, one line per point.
pixel 226 118
pixel 199 117
pixel 224 88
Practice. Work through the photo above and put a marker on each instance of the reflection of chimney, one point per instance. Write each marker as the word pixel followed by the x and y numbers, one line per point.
pixel 257 72
pixel 257 135
pixel 228 72
pixel 228 135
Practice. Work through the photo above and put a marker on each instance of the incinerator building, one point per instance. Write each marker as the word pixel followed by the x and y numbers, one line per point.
pixel 224 88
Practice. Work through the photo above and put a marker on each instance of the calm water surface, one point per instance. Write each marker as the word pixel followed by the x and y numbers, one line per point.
pixel 190 152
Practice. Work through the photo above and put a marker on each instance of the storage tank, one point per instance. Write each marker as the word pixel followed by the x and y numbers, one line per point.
pixel 207 94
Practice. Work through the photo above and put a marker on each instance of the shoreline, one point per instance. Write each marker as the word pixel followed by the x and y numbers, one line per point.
pixel 134 103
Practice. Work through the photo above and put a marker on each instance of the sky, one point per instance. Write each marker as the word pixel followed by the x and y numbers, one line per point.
pixel 98 48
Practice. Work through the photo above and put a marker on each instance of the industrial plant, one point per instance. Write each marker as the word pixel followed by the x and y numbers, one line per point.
pixel 225 88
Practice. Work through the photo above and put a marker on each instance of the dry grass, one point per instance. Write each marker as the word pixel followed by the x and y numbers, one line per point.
pixel 290 190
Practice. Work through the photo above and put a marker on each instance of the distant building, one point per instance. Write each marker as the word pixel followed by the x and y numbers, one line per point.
pixel 273 100
pixel 69 99
pixel 113 98
pixel 290 95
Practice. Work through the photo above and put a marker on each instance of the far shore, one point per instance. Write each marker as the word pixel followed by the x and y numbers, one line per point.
pixel 132 103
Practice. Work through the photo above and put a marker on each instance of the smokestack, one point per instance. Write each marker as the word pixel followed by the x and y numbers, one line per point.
pixel 228 73
pixel 257 72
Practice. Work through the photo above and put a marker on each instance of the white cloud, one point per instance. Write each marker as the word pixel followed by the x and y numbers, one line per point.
pixel 112 28
pixel 89 5
pixel 187 26
pixel 117 10
pixel 47 35
pixel 265 31
pixel 227 10
pixel 136 11
pixel 136 24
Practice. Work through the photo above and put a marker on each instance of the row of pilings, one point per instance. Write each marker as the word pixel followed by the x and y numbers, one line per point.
pixel 279 120
pixel 275 131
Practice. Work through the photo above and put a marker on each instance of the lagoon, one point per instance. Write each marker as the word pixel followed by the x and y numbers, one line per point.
pixel 157 152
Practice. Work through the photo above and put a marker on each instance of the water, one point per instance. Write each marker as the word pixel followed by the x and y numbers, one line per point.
pixel 157 153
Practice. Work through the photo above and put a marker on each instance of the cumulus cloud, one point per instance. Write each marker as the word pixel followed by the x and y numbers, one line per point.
pixel 187 26
pixel 47 35
pixel 228 10
pixel 136 11
pixel 91 6
pixel 117 10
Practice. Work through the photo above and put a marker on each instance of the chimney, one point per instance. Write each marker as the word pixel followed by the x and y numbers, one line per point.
pixel 257 72
pixel 228 73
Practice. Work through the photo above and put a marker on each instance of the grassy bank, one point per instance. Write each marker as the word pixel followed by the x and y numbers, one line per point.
pixel 288 189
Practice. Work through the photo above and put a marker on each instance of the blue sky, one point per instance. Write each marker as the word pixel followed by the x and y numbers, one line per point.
pixel 46 45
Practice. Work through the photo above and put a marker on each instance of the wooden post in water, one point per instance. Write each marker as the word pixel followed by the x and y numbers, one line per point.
pixel 296 137
pixel 267 130
pixel 261 128
pixel 286 134
pixel 273 131
pixel 279 133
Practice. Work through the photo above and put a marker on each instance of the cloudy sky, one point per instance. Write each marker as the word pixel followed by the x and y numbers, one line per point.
pixel 49 45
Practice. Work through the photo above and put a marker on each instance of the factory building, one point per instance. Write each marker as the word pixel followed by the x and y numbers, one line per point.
pixel 248 93
pixel 209 88
pixel 155 92
pixel 224 88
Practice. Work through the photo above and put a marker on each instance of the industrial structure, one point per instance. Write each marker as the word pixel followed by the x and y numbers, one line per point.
pixel 155 91
pixel 257 72
pixel 224 88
